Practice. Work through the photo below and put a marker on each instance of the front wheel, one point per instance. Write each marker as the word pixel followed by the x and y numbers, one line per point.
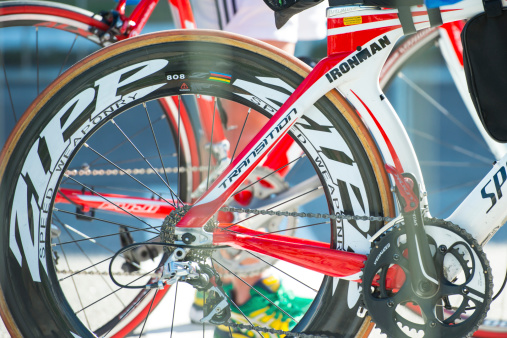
pixel 62 227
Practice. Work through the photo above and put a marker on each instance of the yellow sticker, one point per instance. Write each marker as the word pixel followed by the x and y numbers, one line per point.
pixel 353 20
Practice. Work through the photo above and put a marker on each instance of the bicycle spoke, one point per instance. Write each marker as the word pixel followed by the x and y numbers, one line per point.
pixel 454 147
pixel 178 135
pixel 174 308
pixel 120 144
pixel 132 177
pixel 283 272
pixel 129 310
pixel 37 56
pixel 106 221
pixel 149 312
pixel 111 187
pixel 96 237
pixel 115 291
pixel 241 133
pixel 82 270
pixel 441 109
pixel 93 191
pixel 284 202
pixel 68 54
pixel 273 232
pixel 144 158
pixel 231 301
pixel 89 260
pixel 255 290
pixel 156 144
pixel 271 173
pixel 99 164
pixel 75 288
pixel 453 164
pixel 8 87
pixel 211 141
pixel 293 228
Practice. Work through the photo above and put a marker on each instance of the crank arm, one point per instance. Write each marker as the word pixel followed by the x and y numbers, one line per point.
pixel 421 264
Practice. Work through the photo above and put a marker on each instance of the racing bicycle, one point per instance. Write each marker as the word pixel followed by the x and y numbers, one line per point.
pixel 350 139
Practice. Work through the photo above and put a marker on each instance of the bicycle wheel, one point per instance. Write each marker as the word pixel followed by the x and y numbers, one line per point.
pixel 38 41
pixel 96 102
pixel 30 60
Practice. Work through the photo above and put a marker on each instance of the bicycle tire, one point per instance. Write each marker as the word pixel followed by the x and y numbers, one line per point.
pixel 27 34
pixel 331 312
pixel 47 17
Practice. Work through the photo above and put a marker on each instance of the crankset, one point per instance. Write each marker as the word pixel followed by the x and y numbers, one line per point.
pixel 425 279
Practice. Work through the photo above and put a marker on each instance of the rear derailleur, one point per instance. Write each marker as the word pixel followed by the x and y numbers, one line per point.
pixel 202 277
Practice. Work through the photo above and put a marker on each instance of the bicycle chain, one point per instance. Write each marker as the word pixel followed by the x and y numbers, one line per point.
pixel 304 214
pixel 105 273
pixel 136 171
pixel 280 332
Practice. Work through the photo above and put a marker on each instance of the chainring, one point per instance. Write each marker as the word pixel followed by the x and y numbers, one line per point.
pixel 458 306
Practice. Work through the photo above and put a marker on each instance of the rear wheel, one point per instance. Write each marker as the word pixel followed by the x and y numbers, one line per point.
pixel 91 112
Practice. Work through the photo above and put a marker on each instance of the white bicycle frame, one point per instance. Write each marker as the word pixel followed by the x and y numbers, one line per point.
pixel 481 213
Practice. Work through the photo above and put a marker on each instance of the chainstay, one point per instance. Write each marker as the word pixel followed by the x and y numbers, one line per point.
pixel 269 212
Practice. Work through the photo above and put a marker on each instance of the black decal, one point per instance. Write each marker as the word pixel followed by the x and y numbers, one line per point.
pixel 384 41
pixel 329 78
pixel 359 197
pixel 312 125
pixel 60 165
pixel 375 48
pixel 76 141
pixel 353 62
pixel 363 55
pixel 282 124
pixel 337 155
pixel 485 195
pixel 319 162
pixel 344 67
pixel 498 184
pixel 346 203
pixel 259 148
pixel 335 73
pixel 66 115
pixel 45 157
pixel 292 111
